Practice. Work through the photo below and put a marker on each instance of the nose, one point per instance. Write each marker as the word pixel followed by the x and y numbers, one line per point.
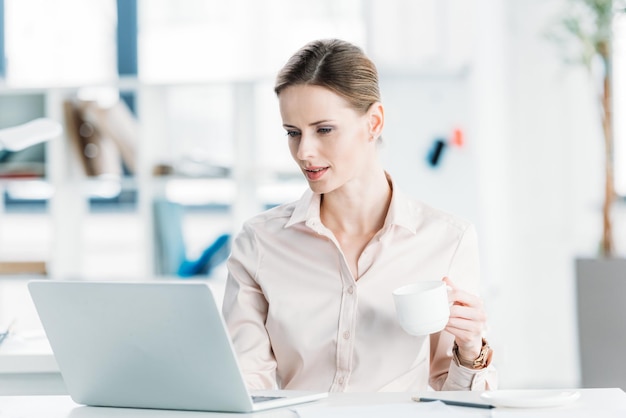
pixel 306 147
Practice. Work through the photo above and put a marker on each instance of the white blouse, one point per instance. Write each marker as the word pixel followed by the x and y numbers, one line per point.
pixel 300 320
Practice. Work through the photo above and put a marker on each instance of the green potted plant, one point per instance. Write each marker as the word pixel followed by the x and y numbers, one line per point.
pixel 585 31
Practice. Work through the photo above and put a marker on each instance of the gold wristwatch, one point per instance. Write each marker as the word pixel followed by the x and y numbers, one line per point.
pixel 482 361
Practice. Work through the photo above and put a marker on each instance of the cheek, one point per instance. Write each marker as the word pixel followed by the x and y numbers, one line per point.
pixel 293 149
pixel 358 150
pixel 356 143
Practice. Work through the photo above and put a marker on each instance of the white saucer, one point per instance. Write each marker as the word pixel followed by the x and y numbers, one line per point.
pixel 530 398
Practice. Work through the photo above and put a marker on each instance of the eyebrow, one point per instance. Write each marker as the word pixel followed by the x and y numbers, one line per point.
pixel 319 122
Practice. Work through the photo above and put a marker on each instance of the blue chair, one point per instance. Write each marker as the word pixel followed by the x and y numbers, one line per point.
pixel 170 251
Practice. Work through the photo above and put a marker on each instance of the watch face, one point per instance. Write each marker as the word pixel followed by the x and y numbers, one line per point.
pixel 484 359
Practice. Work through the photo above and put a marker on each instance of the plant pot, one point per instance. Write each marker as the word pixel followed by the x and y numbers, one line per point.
pixel 601 299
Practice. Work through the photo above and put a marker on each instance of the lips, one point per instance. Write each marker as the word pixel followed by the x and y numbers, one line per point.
pixel 315 173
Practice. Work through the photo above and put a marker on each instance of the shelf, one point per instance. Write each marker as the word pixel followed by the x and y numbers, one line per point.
pixel 123 84
pixel 126 84
pixel 23 267
pixel 239 190
pixel 222 191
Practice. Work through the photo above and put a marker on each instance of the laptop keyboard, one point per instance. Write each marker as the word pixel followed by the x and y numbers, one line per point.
pixel 256 399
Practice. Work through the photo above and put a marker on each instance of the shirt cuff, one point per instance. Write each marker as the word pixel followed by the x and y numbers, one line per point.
pixel 463 378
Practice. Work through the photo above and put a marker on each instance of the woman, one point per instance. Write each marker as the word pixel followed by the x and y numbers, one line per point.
pixel 308 298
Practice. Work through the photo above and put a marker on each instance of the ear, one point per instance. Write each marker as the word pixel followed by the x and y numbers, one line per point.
pixel 376 119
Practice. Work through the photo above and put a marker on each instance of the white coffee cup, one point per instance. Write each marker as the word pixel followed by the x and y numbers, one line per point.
pixel 422 308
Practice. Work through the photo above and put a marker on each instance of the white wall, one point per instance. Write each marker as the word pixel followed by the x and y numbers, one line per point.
pixel 530 177
pixel 538 169
pixel 549 147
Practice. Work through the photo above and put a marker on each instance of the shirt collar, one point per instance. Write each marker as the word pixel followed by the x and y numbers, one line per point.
pixel 307 209
pixel 401 211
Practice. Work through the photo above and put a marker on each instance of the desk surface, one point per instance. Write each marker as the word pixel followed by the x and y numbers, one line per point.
pixel 592 402
pixel 26 350
pixel 27 353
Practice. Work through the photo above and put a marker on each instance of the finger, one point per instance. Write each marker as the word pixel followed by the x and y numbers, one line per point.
pixel 450 283
pixel 462 325
pixel 459 296
pixel 468 312
pixel 463 297
pixel 465 333
pixel 453 295
pixel 464 337
pixel 467 319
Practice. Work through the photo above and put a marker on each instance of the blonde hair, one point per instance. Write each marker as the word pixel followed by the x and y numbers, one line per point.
pixel 336 65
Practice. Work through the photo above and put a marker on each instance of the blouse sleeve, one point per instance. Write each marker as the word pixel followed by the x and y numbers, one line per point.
pixel 445 374
pixel 245 311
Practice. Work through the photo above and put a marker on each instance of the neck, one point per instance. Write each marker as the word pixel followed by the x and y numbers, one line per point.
pixel 358 208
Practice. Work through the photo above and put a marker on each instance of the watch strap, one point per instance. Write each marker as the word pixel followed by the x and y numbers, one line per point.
pixel 482 361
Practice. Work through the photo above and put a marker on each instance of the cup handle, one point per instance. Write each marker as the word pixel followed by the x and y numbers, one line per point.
pixel 448 290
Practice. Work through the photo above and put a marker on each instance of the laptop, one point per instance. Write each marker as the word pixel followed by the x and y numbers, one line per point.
pixel 158 345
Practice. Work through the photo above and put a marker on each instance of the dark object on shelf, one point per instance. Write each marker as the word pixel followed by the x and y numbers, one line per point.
pixel 116 122
pixel 26 164
pixel 214 255
pixel 436 152
pixel 23 148
pixel 97 153
pixel 169 244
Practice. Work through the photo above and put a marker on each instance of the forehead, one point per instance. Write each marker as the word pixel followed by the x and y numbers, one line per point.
pixel 305 101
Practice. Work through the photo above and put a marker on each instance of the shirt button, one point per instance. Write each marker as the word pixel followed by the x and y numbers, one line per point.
pixel 351 289
pixel 346 335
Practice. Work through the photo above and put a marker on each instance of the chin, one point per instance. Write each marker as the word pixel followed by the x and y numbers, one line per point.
pixel 316 188
pixel 321 187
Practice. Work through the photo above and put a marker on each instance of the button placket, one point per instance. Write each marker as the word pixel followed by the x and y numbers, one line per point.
pixel 345 344
pixel 367 257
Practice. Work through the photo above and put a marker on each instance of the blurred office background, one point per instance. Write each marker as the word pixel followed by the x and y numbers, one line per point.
pixel 522 155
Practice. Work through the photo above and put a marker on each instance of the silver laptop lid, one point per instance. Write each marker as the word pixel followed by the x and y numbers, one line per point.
pixel 145 345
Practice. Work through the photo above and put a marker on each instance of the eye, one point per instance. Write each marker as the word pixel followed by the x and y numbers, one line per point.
pixel 324 130
pixel 293 134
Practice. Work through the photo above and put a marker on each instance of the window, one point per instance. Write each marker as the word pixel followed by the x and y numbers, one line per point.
pixel 224 40
pixel 61 42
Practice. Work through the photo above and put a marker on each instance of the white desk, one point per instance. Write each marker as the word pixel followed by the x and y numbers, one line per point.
pixel 27 366
pixel 593 402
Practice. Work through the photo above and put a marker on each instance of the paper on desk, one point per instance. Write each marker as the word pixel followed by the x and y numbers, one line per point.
pixel 387 410
pixel 558 412
pixel 27 342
